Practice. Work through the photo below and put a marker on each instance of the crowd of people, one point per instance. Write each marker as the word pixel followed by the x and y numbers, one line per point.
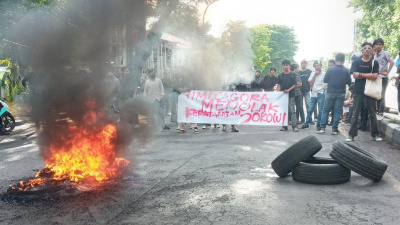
pixel 316 97
pixel 332 93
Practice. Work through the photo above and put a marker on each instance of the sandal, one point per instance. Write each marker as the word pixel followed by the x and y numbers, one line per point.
pixel 234 129
pixel 196 131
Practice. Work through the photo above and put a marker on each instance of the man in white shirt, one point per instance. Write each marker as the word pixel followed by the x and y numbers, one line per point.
pixel 318 88
pixel 386 62
pixel 154 90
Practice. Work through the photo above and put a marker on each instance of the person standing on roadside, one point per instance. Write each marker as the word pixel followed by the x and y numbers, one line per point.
pixel 287 83
pixel 386 63
pixel 256 84
pixel 154 90
pixel 317 94
pixel 363 69
pixel 336 77
pixel 397 78
pixel 269 82
pixel 298 98
pixel 304 74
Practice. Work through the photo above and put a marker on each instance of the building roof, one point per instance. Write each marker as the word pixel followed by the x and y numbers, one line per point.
pixel 172 40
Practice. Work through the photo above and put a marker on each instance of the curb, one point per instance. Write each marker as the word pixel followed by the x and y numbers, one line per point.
pixel 390 131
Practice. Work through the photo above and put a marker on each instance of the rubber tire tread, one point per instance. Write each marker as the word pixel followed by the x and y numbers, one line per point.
pixel 303 149
pixel 358 160
pixel 321 171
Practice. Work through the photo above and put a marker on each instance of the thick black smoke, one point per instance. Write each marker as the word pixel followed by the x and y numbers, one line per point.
pixel 69 51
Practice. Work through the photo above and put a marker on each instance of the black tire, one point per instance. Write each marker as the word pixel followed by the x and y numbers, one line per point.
pixel 318 170
pixel 8 122
pixel 303 149
pixel 358 160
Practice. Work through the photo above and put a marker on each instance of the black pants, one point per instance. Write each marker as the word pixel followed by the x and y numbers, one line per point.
pixel 357 103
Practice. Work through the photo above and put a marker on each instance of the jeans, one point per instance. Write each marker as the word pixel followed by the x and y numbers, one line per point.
pixel 382 103
pixel 159 113
pixel 333 101
pixel 313 102
pixel 299 107
pixel 398 98
pixel 357 102
pixel 292 112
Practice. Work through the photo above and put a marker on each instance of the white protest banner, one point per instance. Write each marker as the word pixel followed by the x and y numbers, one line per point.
pixel 219 107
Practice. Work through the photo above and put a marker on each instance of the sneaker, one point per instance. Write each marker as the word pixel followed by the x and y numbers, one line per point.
pixel 350 138
pixel 295 129
pixel 234 129
pixel 305 126
pixel 283 129
pixel 321 131
pixel 224 128
pixel 335 131
pixel 216 126
pixel 166 128
pixel 318 128
pixel 377 138
pixel 196 131
pixel 204 127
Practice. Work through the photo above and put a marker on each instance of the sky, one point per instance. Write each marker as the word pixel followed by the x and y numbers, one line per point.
pixel 322 27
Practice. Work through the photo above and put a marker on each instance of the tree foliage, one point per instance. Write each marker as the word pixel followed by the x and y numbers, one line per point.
pixel 261 35
pixel 235 45
pixel 381 18
pixel 283 44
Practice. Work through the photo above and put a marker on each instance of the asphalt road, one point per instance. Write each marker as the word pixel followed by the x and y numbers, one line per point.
pixel 209 178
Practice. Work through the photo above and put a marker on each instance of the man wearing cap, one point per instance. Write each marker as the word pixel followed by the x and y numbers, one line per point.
pixel 386 63
pixel 317 94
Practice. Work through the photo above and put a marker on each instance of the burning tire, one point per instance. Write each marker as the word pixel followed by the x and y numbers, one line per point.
pixel 318 170
pixel 358 160
pixel 303 149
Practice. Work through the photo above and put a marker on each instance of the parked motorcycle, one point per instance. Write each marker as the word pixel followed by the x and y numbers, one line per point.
pixel 6 119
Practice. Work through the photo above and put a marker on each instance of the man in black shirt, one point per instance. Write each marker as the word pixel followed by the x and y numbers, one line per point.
pixel 337 77
pixel 363 69
pixel 269 82
pixel 287 82
pixel 305 88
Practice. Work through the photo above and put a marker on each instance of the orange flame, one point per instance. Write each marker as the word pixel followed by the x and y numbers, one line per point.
pixel 87 152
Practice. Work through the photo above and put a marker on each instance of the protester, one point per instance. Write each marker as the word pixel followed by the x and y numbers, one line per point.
pixel 397 78
pixel 256 84
pixel 331 63
pixel 287 83
pixel 336 77
pixel 363 69
pixel 317 94
pixel 298 98
pixel 304 74
pixel 128 89
pixel 181 85
pixel 154 90
pixel 386 62
pixel 269 82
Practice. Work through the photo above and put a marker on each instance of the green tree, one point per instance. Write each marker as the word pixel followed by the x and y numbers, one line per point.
pixel 283 45
pixel 380 19
pixel 236 48
pixel 261 35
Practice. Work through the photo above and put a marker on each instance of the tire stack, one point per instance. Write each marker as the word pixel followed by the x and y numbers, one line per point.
pixel 306 168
